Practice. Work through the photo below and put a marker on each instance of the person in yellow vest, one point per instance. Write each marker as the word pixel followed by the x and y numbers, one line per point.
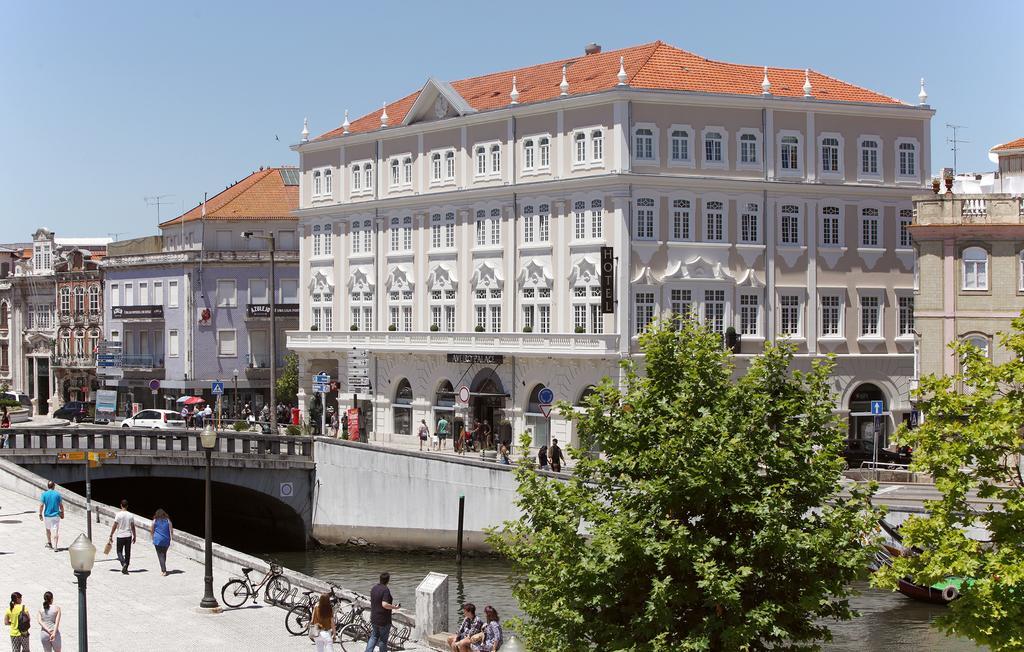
pixel 18 619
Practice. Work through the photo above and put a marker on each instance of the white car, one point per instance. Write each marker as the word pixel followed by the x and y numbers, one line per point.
pixel 154 419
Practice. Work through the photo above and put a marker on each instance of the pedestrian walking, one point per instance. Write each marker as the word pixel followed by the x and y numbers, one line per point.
pixel 381 606
pixel 487 437
pixel 321 626
pixel 442 432
pixel 18 620
pixel 424 433
pixel 161 532
pixel 542 458
pixel 335 422
pixel 51 511
pixel 5 418
pixel 49 624
pixel 555 453
pixel 124 530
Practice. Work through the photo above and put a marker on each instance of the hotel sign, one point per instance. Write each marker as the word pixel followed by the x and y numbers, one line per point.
pixel 476 358
pixel 137 312
pixel 257 310
pixel 607 280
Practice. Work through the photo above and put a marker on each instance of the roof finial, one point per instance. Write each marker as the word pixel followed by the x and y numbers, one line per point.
pixel 922 97
pixel 766 86
pixel 345 125
pixel 807 82
pixel 384 115
pixel 305 130
pixel 622 71
pixel 514 95
pixel 564 86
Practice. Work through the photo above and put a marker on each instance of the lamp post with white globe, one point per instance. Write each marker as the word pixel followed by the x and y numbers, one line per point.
pixel 83 556
pixel 209 441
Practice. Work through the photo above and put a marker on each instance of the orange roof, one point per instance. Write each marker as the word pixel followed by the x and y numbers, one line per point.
pixel 1013 144
pixel 656 66
pixel 263 195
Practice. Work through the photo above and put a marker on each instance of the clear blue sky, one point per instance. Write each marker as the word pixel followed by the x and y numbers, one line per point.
pixel 105 103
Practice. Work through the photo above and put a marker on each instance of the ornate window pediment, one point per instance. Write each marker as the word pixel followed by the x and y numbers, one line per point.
pixel 535 274
pixel 442 277
pixel 361 279
pixel 698 268
pixel 644 276
pixel 749 279
pixel 584 271
pixel 401 277
pixel 487 275
pixel 320 283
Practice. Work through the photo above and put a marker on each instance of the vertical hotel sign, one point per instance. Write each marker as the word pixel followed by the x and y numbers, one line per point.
pixel 607 280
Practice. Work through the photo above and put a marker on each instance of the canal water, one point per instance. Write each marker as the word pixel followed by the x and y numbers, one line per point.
pixel 889 622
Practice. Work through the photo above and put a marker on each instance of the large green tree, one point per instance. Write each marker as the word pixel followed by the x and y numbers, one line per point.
pixel 712 521
pixel 288 380
pixel 970 442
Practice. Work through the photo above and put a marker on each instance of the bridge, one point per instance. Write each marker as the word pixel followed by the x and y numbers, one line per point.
pixel 262 484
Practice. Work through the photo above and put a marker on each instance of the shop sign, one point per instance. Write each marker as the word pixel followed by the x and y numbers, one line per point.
pixel 258 310
pixel 137 312
pixel 476 358
pixel 607 280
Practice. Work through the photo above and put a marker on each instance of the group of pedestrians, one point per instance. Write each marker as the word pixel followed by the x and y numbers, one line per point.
pixel 19 620
pixel 551 459
pixel 195 417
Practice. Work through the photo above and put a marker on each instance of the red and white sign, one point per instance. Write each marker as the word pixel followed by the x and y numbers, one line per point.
pixel 463 394
pixel 545 409
pixel 353 423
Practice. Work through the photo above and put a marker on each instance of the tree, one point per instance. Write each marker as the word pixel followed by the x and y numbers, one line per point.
pixel 970 441
pixel 288 380
pixel 711 522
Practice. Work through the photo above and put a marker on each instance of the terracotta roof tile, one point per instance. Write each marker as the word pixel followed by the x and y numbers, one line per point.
pixel 656 65
pixel 1013 144
pixel 263 195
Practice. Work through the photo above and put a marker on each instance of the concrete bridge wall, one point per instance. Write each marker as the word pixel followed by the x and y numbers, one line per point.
pixel 406 500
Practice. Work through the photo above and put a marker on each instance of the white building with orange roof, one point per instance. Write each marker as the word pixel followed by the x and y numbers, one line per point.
pixel 457 234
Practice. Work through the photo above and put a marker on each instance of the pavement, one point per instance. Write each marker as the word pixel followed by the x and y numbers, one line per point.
pixel 141 610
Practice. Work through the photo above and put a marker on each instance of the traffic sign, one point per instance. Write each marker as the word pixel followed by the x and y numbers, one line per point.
pixel 877 407
pixel 154 384
pixel 217 388
pixel 545 395
pixel 464 394
pixel 322 378
pixel 545 409
pixel 320 387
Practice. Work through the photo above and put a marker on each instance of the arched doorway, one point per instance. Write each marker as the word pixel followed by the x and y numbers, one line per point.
pixel 537 423
pixel 487 399
pixel 444 404
pixel 402 408
pixel 862 421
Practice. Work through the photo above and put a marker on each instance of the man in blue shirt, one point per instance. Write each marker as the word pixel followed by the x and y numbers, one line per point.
pixel 51 511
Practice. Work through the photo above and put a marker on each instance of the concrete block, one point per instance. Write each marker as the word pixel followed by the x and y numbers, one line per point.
pixel 431 606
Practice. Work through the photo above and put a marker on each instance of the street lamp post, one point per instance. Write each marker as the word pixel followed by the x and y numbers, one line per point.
pixel 83 555
pixel 273 330
pixel 209 440
pixel 235 406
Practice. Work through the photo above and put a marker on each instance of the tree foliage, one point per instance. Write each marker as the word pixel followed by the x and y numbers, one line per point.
pixel 969 443
pixel 288 380
pixel 711 522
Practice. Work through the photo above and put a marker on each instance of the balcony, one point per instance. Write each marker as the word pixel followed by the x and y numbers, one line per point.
pixel 141 361
pixel 969 209
pixel 536 344
pixel 73 361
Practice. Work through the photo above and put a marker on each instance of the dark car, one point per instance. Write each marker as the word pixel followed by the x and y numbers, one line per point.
pixel 76 411
pixel 858 451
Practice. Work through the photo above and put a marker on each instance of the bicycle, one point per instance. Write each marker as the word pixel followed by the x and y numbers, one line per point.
pixel 237 592
pixel 353 636
pixel 298 618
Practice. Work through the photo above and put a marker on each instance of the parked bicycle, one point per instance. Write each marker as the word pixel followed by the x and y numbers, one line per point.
pixel 237 592
pixel 297 620
pixel 353 636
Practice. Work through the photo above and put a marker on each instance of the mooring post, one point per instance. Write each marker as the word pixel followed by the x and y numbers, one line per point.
pixel 462 513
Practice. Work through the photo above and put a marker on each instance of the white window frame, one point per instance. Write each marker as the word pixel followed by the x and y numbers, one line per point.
pixel 758 164
pixel 536 309
pixel 966 273
pixel 442 161
pixel 653 235
pixel 901 298
pixel 115 294
pixel 904 215
pixel 221 342
pixel 173 343
pixel 595 142
pixel 840 241
pixel 589 160
pixel 528 150
pixel 757 332
pixel 266 291
pixel 536 230
pixel 690 160
pixel 800 228
pixel 1020 270
pixel 704 161
pixel 442 230
pixel 404 182
pixel 705 211
pixel 907 178
pixel 687 234
pixel 880 218
pixel 645 290
pixel 801 321
pixel 800 154
pixel 840 173
pixel 879 295
pixel 743 207
pixel 172 293
pixel 487 227
pixel 655 158
pixel 490 170
pixel 361 175
pixel 880 147
pixel 840 298
pixel 224 299
pixel 322 186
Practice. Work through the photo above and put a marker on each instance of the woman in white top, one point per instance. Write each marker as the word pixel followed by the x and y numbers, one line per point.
pixel 49 624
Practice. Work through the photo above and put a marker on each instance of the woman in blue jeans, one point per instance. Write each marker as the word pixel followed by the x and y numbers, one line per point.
pixel 161 531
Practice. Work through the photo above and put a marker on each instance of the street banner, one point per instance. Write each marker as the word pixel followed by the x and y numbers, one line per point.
pixel 353 424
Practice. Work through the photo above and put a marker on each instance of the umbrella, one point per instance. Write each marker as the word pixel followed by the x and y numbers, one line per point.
pixel 190 400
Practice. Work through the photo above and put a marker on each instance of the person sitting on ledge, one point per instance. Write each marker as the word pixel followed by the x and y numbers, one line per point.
pixel 471 625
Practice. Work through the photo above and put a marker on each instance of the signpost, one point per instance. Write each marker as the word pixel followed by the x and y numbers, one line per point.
pixel 463 394
pixel 93 459
pixel 546 395
pixel 106 402
pixel 358 371
pixel 217 389
pixel 545 409
pixel 877 408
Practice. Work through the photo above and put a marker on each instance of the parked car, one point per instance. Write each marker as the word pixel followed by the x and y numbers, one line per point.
pixel 20 397
pixel 154 419
pixel 75 411
pixel 858 451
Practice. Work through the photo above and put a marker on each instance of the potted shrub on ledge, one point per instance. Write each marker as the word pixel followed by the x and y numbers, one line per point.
pixel 392 327
pixel 479 328
pixel 353 327
pixel 527 329
pixel 434 328
pixel 580 329
pixel 732 340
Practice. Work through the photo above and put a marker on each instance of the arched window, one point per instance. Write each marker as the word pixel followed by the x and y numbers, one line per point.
pixel 449 165
pixel 545 152
pixel 975 269
pixel 830 154
pixel 979 342
pixel 403 408
pixel 3 315
pixel 644 144
pixel 79 300
pixel 713 147
pixel 495 159
pixel 581 147
pixel 357 177
pixel 327 239
pixel 80 343
pixel 585 394
pixel 790 153
pixel 396 174
pixel 597 145
pixel 65 301
pixel 528 154
pixel 435 166
pixel 407 169
pixel 748 148
pixel 327 181
pixel 317 184
pixel 368 176
pixel 317 242
pixel 444 404
pixel 481 161
pixel 94 300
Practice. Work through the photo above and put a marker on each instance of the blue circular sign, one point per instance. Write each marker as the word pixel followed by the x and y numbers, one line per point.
pixel 545 395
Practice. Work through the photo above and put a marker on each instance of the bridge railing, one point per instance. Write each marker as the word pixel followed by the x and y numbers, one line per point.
pixel 148 441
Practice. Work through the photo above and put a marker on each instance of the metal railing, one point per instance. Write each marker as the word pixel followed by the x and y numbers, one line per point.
pixel 77 361
pixel 149 441
pixel 141 361
pixel 975 207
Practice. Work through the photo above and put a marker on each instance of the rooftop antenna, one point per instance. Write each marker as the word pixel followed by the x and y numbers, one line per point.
pixel 158 201
pixel 955 142
pixel 114 234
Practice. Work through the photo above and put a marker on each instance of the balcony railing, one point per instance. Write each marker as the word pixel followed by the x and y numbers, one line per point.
pixel 74 361
pixel 141 361
pixel 552 344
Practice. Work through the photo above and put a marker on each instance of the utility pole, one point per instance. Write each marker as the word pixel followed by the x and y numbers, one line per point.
pixel 157 200
pixel 955 142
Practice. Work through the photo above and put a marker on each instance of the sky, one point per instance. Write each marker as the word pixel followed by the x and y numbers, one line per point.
pixel 106 104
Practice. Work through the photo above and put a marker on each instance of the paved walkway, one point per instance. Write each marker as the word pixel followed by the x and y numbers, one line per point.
pixel 141 610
